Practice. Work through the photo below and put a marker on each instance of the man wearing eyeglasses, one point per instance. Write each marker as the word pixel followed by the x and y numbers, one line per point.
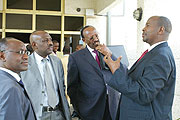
pixel 44 80
pixel 14 102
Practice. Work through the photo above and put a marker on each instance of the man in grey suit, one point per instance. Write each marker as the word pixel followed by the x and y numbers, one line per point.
pixel 14 102
pixel 44 80
pixel 91 98
pixel 147 89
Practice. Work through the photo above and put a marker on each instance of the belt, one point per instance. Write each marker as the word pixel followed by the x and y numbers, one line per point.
pixel 49 108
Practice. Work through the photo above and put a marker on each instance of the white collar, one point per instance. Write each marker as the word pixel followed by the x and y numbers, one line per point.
pixel 15 75
pixel 90 49
pixel 39 58
pixel 154 45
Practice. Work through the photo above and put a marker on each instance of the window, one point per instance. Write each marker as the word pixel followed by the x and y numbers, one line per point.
pixel 49 5
pixel 22 17
pixel 45 22
pixel 73 23
pixel 57 37
pixel 20 36
pixel 18 21
pixel 20 4
pixel 0 20
pixel 70 43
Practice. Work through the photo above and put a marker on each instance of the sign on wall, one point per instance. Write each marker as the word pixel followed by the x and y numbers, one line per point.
pixel 1 4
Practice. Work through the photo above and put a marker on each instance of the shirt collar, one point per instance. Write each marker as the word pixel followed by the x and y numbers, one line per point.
pixel 154 45
pixel 15 75
pixel 39 58
pixel 90 49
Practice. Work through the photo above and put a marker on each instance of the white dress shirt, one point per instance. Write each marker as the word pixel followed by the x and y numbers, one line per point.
pixel 41 64
pixel 154 45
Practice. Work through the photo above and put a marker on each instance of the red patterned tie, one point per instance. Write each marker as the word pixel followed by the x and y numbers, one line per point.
pixel 142 55
pixel 97 58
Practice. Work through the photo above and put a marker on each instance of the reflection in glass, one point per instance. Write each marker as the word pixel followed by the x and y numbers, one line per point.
pixel 70 43
pixel 73 23
pixel 19 4
pixel 57 37
pixel 18 21
pixel 45 22
pixel 20 36
pixel 49 5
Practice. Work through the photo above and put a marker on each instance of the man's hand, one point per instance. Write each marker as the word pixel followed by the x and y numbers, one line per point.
pixel 113 65
pixel 103 49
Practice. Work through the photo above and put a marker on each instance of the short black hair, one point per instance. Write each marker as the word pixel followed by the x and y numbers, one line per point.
pixel 3 43
pixel 82 30
pixel 55 41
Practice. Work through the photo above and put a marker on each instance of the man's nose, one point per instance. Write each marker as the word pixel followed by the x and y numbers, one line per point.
pixel 50 42
pixel 25 56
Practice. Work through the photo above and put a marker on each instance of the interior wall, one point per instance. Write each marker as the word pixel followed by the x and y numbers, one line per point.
pixel 72 5
pixel 103 4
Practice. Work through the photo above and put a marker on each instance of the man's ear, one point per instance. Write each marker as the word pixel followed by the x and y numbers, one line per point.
pixel 2 56
pixel 161 30
pixel 34 45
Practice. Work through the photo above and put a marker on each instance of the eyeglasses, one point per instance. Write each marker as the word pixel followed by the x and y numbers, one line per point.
pixel 21 52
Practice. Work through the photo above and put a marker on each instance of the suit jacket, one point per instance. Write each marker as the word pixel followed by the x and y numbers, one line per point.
pixel 33 84
pixel 87 86
pixel 147 89
pixel 14 103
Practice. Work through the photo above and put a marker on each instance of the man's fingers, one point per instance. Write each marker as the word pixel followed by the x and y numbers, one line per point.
pixel 119 59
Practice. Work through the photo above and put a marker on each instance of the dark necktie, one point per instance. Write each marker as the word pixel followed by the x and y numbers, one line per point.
pixel 52 99
pixel 97 58
pixel 143 55
pixel 22 85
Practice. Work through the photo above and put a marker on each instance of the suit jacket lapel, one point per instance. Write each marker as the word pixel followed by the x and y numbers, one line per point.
pixel 55 68
pixel 90 59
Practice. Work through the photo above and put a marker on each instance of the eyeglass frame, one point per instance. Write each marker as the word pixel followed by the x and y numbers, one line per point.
pixel 21 52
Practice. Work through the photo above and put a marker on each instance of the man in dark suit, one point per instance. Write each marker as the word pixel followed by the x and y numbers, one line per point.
pixel 91 98
pixel 14 102
pixel 147 89
pixel 44 80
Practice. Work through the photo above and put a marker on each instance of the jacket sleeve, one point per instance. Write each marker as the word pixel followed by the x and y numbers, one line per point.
pixel 72 81
pixel 148 84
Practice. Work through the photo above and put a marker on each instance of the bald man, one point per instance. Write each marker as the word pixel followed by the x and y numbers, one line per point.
pixel 14 102
pixel 44 80
pixel 147 89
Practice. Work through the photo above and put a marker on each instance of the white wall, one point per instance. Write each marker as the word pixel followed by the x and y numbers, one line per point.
pixel 123 30
pixel 72 5
pixel 99 22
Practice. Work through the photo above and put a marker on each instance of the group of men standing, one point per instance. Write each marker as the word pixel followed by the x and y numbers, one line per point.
pixel 100 87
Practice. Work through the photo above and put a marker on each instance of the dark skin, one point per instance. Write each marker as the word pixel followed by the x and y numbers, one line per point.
pixel 55 47
pixel 41 43
pixel 152 33
pixel 11 60
pixel 91 37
